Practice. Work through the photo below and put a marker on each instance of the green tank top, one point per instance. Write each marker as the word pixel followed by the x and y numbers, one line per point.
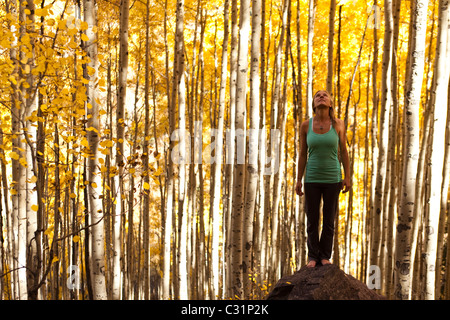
pixel 323 164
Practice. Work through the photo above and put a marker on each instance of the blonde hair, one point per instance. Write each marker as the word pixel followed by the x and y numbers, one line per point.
pixel 331 110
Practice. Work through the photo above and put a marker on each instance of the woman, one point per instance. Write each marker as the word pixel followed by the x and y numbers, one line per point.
pixel 320 139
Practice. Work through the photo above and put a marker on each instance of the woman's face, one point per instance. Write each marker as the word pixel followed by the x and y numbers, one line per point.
pixel 322 99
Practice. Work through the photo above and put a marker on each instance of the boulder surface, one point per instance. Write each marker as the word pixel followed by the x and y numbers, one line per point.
pixel 326 282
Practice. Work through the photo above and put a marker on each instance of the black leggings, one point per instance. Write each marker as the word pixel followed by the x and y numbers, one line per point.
pixel 319 249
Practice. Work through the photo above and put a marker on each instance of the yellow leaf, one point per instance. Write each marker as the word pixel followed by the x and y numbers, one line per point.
pixel 76 238
pixel 62 24
pixel 94 185
pixel 41 12
pixel 146 186
pixel 85 143
pixel 49 230
pixel 158 172
pixel 90 70
pixel 14 155
pixel 84 25
pixel 73 44
pixel 50 22
pixel 35 207
pixel 73 195
pixel 23 162
pixel 55 259
pixel 84 37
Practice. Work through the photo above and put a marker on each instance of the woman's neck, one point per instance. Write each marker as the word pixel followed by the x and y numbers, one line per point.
pixel 322 114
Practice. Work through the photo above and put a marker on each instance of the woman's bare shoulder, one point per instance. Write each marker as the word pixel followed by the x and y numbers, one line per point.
pixel 304 126
pixel 340 122
pixel 340 127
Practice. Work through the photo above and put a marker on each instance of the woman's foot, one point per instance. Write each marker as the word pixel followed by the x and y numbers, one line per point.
pixel 325 261
pixel 311 264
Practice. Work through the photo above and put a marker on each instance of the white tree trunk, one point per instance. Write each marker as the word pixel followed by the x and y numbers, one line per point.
pixel 216 216
pixel 331 46
pixel 93 136
pixel 239 169
pixel 403 264
pixel 383 137
pixel 120 122
pixel 170 176
pixel 439 96
pixel 252 166
pixel 309 86
pixel 182 202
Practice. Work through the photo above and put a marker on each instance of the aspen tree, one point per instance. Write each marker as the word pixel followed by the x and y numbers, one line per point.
pixel 240 136
pixel 120 123
pixel 439 120
pixel 145 151
pixel 170 180
pixel 230 157
pixel 331 46
pixel 182 201
pixel 18 261
pixel 93 136
pixel 219 158
pixel 386 99
pixel 277 123
pixel 393 163
pixel 309 88
pixel 252 165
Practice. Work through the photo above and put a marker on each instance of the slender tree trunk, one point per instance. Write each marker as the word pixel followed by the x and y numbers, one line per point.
pixel 386 98
pixel 331 46
pixel 182 202
pixel 252 166
pixel 277 127
pixel 218 157
pixel 230 157
pixel 260 240
pixel 301 225
pixel 393 163
pixel 145 151
pixel 120 122
pixel 170 172
pixel 403 264
pixel 93 136
pixel 447 262
pixel 240 136
pixel 438 146
pixel 18 170
pixel 309 86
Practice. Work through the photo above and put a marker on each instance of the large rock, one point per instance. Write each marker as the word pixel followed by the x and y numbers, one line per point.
pixel 326 282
